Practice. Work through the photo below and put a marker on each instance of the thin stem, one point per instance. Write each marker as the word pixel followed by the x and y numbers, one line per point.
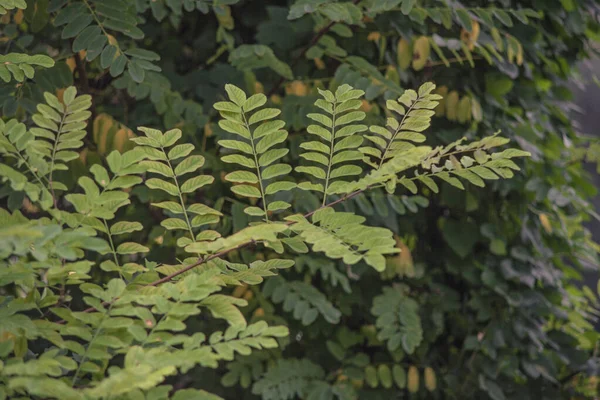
pixel 300 55
pixel 187 220
pixel 96 333
pixel 389 145
pixel 260 181
pixel 222 253
pixel 332 143
pixel 99 23
pixel 112 246
pixel 33 172
pixel 54 149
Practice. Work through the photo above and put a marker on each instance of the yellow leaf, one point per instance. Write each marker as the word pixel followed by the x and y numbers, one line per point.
pixel 519 53
pixel 404 261
pixel 120 139
pixel 319 63
pixel 374 36
pixel 276 99
pixel 365 106
pixel 470 38
pixel 83 156
pixel 430 379
pixel 452 106
pixel 111 39
pixel 71 63
pixel 545 221
pixel 18 17
pixel 413 379
pixel 297 88
pixel 440 110
pixel 208 131
pixel 240 290
pixel 258 87
pixel 260 312
pixel 59 94
pixel 110 135
pixel 421 52
pixel 464 110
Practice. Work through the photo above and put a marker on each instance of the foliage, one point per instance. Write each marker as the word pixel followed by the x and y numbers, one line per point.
pixel 300 214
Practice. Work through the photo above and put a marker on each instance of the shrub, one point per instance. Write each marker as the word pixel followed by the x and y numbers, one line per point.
pixel 344 259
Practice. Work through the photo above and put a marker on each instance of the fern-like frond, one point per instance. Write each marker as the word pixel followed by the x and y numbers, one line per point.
pixel 252 274
pixel 473 163
pixel 255 336
pixel 337 129
pixel 62 124
pixel 260 233
pixel 254 148
pixel 327 270
pixel 89 23
pixel 398 321
pixel 7 5
pixel 342 235
pixel 288 379
pixel 21 66
pixel 303 300
pixel 101 199
pixel 15 143
pixel 416 109
pixel 166 158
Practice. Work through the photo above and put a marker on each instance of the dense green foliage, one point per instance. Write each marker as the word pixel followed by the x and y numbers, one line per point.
pixel 282 231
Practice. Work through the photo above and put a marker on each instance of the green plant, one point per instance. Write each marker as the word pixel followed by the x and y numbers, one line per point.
pixel 288 142
pixel 138 313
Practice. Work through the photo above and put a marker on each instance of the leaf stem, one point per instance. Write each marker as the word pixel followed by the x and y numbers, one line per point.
pixel 96 333
pixel 187 220
pixel 260 180
pixel 389 145
pixel 332 143
pixel 54 149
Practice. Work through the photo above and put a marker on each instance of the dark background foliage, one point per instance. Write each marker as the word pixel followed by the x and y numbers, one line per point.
pixel 484 301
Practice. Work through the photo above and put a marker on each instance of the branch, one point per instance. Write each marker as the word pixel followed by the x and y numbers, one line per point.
pixel 223 252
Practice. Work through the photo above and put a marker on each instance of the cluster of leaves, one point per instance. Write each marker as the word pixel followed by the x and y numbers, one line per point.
pixel 139 314
pixel 140 265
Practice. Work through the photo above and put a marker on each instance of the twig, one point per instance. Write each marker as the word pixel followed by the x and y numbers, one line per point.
pixel 312 42
pixel 222 253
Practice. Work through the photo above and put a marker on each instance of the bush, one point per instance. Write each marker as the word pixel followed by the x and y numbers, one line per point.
pixel 215 255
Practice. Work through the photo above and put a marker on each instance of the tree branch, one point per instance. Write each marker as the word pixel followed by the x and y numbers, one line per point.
pixel 222 253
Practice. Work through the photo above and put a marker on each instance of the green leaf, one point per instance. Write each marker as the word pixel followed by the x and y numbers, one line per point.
pixel 236 94
pixel 255 101
pixel 122 227
pixel 74 27
pixel 279 186
pixel 196 182
pixel 246 191
pixel 460 236
pixel 263 115
pixel 155 183
pixel 157 168
pixel 131 248
pixel 242 177
pixel 190 164
pixel 170 137
pixel 174 223
pixel 179 151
